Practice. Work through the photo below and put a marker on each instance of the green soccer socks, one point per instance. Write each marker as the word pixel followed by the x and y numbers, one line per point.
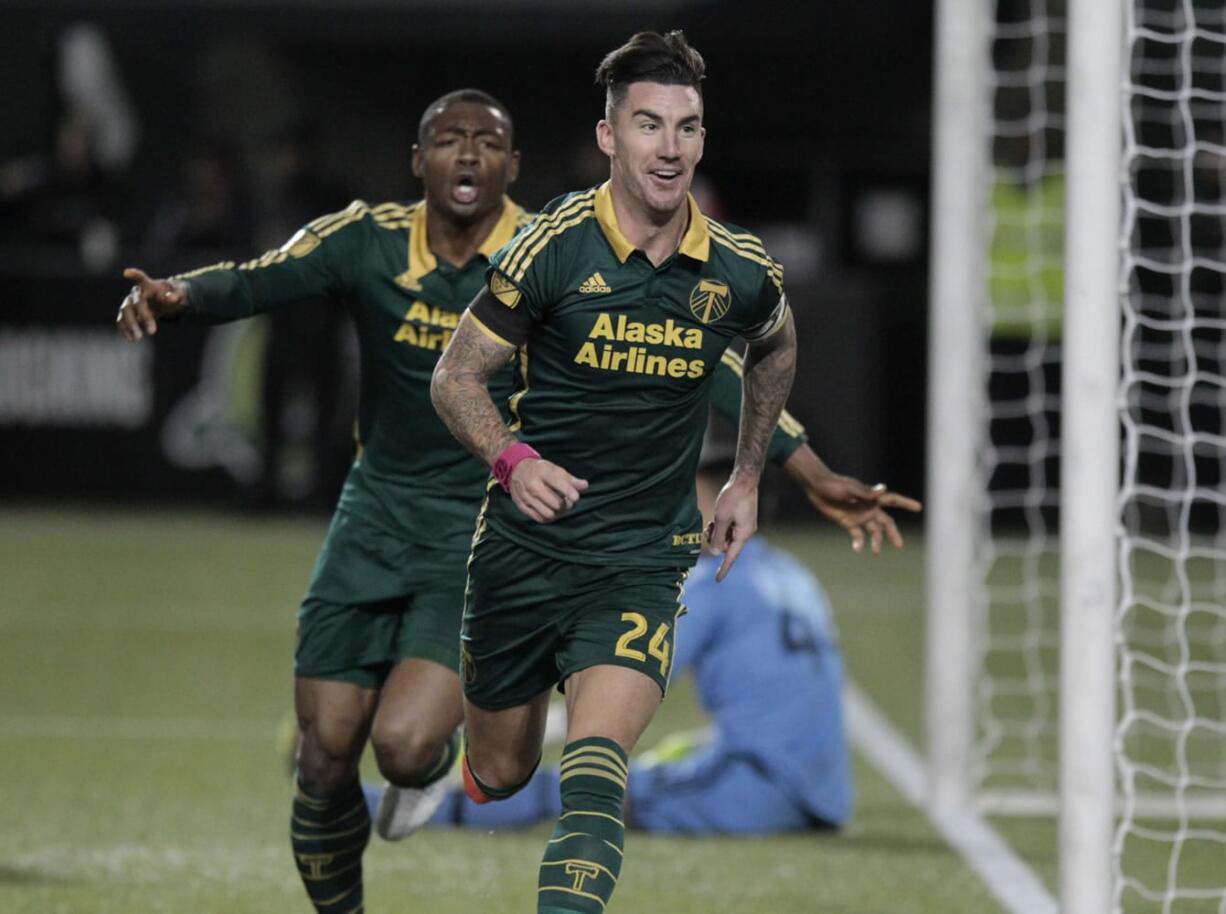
pixel 584 855
pixel 329 834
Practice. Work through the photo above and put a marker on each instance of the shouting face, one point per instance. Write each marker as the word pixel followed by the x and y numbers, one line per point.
pixel 465 161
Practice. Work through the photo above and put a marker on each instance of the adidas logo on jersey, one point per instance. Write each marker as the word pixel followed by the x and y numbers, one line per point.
pixel 595 283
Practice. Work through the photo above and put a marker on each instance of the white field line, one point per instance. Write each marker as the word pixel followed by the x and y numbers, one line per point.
pixel 1013 883
pixel 137 728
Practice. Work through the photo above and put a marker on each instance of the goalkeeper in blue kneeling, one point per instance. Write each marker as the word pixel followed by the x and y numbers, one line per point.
pixel 765 656
pixel 764 653
pixel 767 667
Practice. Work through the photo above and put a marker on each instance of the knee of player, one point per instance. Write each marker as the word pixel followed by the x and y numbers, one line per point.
pixel 405 753
pixel 328 756
pixel 502 775
pixel 322 773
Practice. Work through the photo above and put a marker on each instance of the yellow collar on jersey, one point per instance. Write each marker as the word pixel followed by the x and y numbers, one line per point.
pixel 696 242
pixel 422 259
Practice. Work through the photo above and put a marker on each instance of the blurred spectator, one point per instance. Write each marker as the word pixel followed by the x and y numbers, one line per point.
pixel 308 388
pixel 293 184
pixel 72 193
pixel 206 209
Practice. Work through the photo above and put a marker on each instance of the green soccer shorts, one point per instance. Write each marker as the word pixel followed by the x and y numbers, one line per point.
pixel 530 621
pixel 376 599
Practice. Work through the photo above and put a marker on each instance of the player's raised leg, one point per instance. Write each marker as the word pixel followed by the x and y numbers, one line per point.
pixel 330 825
pixel 416 739
pixel 502 747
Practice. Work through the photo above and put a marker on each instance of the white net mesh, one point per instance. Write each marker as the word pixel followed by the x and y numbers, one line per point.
pixel 1170 632
pixel 1171 739
pixel 1171 627
pixel 1016 648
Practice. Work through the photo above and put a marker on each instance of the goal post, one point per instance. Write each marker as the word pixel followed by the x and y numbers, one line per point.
pixel 1090 434
pixel 994 362
pixel 955 336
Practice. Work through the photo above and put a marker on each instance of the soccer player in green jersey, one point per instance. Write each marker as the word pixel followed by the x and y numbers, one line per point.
pixel 378 631
pixel 621 301
pixel 378 634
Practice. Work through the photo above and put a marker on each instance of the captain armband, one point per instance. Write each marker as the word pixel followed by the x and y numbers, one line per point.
pixel 778 317
pixel 507 323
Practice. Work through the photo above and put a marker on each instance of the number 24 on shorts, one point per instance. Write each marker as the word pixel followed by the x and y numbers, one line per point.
pixel 657 647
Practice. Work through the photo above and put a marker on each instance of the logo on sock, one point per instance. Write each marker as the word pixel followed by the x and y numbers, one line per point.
pixel 315 863
pixel 582 872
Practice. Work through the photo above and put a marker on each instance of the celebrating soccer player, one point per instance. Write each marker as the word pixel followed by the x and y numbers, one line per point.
pixel 377 649
pixel 378 635
pixel 621 301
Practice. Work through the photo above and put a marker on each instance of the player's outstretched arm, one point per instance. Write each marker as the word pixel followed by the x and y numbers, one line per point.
pixel 460 393
pixel 769 367
pixel 856 507
pixel 149 301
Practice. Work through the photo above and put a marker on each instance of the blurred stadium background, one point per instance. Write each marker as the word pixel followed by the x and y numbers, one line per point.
pixel 220 127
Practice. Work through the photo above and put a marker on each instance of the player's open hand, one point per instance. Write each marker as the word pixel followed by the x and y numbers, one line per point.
pixel 860 509
pixel 543 490
pixel 734 521
pixel 149 301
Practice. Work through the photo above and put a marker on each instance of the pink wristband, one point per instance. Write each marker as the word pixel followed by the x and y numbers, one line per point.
pixel 507 460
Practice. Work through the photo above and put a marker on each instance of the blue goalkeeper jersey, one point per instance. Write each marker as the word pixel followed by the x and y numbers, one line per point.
pixel 765 655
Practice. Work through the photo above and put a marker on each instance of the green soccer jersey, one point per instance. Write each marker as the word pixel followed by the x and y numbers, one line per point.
pixel 405 305
pixel 616 371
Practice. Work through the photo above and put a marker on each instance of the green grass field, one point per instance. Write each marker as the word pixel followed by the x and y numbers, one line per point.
pixel 145 663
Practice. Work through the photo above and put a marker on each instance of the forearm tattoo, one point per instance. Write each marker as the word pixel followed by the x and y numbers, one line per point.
pixel 460 391
pixel 769 368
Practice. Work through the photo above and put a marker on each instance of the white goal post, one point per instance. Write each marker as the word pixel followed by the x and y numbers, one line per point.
pixel 1089 460
pixel 957 276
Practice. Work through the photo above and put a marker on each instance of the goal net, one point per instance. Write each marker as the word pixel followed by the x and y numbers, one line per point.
pixel 1169 847
pixel 1014 761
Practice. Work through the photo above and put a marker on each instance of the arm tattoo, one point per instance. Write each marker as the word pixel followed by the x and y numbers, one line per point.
pixel 769 367
pixel 460 391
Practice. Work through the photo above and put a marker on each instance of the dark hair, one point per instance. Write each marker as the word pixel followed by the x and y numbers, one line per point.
pixel 443 102
pixel 650 57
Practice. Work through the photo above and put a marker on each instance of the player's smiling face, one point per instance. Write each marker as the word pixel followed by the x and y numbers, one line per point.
pixel 654 140
pixel 466 161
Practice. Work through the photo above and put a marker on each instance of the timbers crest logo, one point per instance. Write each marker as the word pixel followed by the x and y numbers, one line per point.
pixel 504 290
pixel 710 300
